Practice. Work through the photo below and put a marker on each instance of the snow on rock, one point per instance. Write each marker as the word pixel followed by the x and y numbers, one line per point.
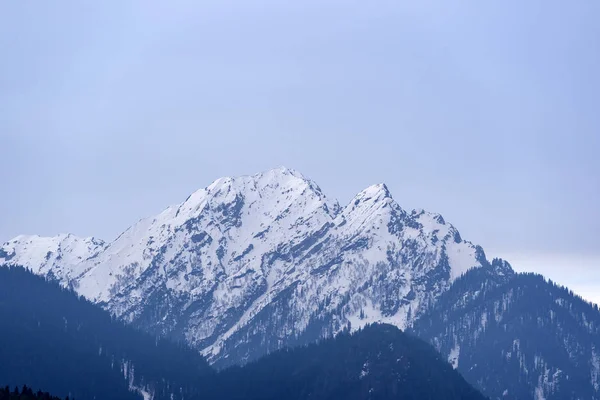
pixel 539 393
pixel 364 371
pixel 595 370
pixel 60 256
pixel 454 355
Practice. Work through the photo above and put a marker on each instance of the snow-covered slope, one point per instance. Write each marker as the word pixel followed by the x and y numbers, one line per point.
pixel 59 256
pixel 249 264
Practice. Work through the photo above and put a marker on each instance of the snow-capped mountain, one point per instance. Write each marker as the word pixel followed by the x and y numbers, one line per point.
pixel 249 264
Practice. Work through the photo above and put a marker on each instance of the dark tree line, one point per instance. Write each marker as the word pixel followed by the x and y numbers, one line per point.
pixel 25 393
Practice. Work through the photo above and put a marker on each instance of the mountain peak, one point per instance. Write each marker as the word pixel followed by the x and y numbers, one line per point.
pixel 276 184
pixel 283 170
pixel 379 189
pixel 370 202
pixel 276 173
pixel 373 193
pixel 272 177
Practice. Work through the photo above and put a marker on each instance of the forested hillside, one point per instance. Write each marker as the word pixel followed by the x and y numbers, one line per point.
pixel 25 393
pixel 522 337
pixel 378 362
pixel 53 339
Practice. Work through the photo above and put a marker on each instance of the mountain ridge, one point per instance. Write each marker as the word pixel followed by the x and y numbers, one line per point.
pixel 205 268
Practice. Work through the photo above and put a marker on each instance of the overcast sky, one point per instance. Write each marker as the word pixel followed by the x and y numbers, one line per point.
pixel 487 112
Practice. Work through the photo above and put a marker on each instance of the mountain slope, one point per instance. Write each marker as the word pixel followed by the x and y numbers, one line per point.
pixel 56 257
pixel 52 339
pixel 520 337
pixel 378 362
pixel 250 264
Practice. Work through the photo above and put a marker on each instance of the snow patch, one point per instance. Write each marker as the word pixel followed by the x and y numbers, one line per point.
pixel 595 371
pixel 461 257
pixel 454 355
pixel 147 395
pixel 484 321
pixel 539 393
pixel 365 370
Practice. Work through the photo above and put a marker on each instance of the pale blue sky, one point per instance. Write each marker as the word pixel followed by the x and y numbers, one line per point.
pixel 486 112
